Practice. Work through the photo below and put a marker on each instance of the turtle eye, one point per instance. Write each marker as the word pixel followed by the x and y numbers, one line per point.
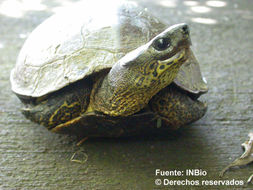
pixel 161 44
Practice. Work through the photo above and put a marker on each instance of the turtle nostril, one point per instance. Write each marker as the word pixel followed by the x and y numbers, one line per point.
pixel 185 29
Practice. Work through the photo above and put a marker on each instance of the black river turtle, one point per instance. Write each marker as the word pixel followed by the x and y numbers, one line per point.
pixel 110 71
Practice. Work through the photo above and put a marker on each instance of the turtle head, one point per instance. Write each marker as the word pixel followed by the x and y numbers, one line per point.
pixel 162 57
pixel 143 72
pixel 158 61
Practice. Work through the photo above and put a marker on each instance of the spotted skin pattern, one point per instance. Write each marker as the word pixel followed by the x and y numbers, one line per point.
pixel 176 107
pixel 172 107
pixel 65 112
pixel 68 107
pixel 62 106
pixel 133 94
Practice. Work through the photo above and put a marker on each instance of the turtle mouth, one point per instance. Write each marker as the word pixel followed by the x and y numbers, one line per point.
pixel 178 57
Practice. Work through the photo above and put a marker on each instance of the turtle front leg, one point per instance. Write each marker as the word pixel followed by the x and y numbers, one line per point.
pixel 176 108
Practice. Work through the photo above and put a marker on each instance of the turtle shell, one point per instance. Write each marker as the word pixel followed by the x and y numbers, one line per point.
pixel 83 40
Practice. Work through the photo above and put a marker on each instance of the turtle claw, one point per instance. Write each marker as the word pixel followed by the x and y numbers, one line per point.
pixel 245 158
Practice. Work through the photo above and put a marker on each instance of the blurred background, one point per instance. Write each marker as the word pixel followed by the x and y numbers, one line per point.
pixel 33 158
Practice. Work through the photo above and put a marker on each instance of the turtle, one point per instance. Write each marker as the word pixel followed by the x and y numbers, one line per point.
pixel 113 70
